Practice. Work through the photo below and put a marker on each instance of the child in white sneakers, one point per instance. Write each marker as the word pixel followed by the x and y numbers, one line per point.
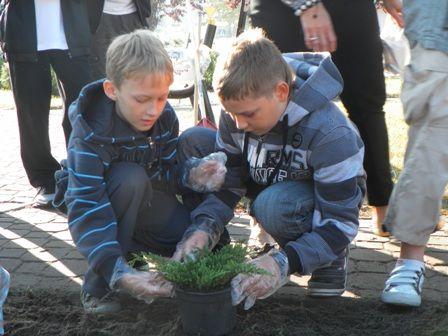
pixel 415 202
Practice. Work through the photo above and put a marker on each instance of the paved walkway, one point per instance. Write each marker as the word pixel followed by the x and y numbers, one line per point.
pixel 36 247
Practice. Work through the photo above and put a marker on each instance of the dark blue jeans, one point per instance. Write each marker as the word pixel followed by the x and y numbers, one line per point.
pixel 285 210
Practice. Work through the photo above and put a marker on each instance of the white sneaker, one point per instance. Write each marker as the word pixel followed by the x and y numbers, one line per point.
pixel 404 286
pixel 45 196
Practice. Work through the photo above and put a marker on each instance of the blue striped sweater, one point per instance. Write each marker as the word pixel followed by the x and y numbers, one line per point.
pixel 99 139
pixel 322 145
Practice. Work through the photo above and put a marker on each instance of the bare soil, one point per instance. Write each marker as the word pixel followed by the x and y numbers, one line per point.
pixel 48 313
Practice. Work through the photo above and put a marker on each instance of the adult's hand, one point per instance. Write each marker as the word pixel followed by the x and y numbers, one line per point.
pixel 394 8
pixel 318 29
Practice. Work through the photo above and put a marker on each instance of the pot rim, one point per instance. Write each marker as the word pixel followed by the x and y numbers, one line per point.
pixel 202 293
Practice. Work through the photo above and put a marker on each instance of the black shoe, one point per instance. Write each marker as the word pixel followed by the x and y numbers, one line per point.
pixel 45 195
pixel 331 280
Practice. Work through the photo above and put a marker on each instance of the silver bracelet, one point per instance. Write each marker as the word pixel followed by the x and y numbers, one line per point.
pixel 304 6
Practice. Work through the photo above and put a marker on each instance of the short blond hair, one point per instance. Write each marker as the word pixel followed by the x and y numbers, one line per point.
pixel 138 52
pixel 253 68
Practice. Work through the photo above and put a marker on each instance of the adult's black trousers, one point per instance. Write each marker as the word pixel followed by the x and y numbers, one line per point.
pixel 359 59
pixel 31 85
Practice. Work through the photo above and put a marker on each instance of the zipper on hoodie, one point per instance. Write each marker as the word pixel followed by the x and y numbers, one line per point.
pixel 150 142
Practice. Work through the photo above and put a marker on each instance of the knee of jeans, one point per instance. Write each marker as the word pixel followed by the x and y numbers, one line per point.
pixel 197 142
pixel 127 178
pixel 284 214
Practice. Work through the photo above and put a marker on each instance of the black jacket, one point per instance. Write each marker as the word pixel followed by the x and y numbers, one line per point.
pixel 95 8
pixel 19 29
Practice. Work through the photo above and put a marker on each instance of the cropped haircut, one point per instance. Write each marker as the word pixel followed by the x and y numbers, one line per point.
pixel 137 53
pixel 253 68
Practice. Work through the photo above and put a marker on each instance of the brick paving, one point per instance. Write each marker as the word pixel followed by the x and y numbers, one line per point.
pixel 36 247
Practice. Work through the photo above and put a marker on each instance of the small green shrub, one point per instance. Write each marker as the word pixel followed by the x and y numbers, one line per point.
pixel 209 271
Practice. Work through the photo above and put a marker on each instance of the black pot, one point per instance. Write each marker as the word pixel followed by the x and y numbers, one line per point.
pixel 206 313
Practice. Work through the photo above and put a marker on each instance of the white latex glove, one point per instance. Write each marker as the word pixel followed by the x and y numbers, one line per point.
pixel 141 285
pixel 145 285
pixel 206 174
pixel 318 29
pixel 187 248
pixel 257 286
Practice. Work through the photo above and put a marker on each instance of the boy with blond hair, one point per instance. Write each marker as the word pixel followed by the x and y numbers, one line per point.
pixel 124 168
pixel 299 159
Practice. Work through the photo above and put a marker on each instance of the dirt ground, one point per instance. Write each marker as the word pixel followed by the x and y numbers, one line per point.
pixel 45 313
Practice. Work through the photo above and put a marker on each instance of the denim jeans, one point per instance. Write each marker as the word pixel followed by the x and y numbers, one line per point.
pixel 285 210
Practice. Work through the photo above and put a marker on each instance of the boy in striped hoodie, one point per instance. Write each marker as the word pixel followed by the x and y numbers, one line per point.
pixel 297 157
pixel 125 167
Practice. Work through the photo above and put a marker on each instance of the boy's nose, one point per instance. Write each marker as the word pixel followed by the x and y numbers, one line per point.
pixel 151 110
pixel 241 124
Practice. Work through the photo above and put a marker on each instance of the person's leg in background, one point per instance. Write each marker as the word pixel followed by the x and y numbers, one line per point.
pixel 359 59
pixel 416 199
pixel 110 26
pixel 31 85
pixel 73 73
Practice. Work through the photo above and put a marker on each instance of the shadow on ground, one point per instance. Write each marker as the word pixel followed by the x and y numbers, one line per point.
pixel 39 253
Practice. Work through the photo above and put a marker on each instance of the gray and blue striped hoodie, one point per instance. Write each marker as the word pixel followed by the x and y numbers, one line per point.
pixel 99 139
pixel 321 145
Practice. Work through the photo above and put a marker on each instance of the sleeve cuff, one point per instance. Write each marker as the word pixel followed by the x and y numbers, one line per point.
pixel 295 265
pixel 107 267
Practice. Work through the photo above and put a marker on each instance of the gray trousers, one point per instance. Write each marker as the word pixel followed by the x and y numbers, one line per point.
pixel 414 206
pixel 110 27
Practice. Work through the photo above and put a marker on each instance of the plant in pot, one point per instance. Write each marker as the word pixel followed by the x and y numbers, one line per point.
pixel 202 286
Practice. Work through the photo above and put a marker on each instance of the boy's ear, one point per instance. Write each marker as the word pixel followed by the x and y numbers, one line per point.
pixel 110 90
pixel 282 91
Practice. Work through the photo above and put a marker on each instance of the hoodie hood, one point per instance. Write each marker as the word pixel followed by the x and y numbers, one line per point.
pixel 317 82
pixel 97 120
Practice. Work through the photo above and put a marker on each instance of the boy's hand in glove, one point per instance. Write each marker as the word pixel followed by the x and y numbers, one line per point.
pixel 206 174
pixel 145 285
pixel 141 285
pixel 187 248
pixel 257 286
